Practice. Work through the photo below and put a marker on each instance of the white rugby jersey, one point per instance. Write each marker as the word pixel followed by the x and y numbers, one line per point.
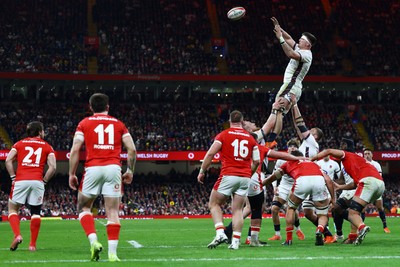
pixel 297 70
pixel 309 147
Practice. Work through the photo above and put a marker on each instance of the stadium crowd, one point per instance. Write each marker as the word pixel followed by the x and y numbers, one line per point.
pixel 156 37
pixel 194 126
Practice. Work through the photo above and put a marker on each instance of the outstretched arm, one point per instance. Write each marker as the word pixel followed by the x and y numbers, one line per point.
pixel 298 120
pixel 286 46
pixel 286 36
pixel 337 153
pixel 273 126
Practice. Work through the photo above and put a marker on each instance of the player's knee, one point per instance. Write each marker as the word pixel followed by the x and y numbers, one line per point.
pixel 256 214
pixel 35 210
pixel 292 204
pixel 342 203
pixel 276 205
pixel 356 206
pixel 322 210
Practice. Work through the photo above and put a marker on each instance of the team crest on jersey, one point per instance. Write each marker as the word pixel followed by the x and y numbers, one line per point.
pixel 116 187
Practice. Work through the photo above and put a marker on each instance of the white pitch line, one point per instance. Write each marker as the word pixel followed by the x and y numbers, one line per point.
pixel 212 259
pixel 135 244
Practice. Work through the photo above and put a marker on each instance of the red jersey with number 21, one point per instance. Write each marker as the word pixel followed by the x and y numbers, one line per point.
pixel 32 153
pixel 103 139
pixel 236 152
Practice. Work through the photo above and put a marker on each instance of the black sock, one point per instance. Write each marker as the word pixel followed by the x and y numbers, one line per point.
pixel 338 220
pixel 277 227
pixel 382 215
pixel 229 230
pixel 249 233
pixel 363 216
pixel 297 223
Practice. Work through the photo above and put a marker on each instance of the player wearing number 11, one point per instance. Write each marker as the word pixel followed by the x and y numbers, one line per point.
pixel 103 136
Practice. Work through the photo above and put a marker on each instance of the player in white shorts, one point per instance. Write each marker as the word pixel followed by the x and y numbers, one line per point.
pixel 104 137
pixel 309 147
pixel 32 154
pixel 300 62
pixel 281 194
pixel 379 202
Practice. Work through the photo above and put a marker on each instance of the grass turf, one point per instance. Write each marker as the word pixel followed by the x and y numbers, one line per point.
pixel 179 242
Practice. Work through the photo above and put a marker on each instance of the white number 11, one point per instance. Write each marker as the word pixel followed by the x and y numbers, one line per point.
pixel 100 133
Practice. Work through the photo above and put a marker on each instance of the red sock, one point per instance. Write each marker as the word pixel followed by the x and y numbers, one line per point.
pixel 113 231
pixel 14 223
pixel 35 227
pixel 320 228
pixel 289 233
pixel 361 227
pixel 352 236
pixel 87 222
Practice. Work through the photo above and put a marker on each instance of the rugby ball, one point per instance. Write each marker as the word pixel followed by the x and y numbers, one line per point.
pixel 236 13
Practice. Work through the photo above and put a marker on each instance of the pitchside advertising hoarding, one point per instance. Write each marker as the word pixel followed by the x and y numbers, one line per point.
pixel 190 155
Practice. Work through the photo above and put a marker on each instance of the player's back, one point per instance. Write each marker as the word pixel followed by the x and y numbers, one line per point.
pixel 32 153
pixel 103 139
pixel 358 167
pixel 300 168
pixel 236 151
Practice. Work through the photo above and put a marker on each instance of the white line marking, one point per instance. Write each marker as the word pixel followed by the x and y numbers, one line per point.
pixel 246 259
pixel 135 244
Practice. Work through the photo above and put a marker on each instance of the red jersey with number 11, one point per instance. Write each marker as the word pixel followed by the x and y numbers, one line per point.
pixel 103 139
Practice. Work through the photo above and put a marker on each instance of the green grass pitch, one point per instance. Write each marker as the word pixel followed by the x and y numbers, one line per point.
pixel 180 242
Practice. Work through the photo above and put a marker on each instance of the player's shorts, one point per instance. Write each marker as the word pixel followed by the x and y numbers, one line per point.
pixel 255 187
pixel 310 185
pixel 285 187
pixel 347 194
pixel 27 191
pixel 105 180
pixel 370 189
pixel 285 91
pixel 229 184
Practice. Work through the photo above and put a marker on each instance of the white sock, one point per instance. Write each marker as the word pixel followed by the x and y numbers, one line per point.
pixel 219 228
pixel 112 246
pixel 92 238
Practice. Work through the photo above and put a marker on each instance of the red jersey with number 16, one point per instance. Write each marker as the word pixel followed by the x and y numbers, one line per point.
pixel 32 153
pixel 103 139
pixel 236 152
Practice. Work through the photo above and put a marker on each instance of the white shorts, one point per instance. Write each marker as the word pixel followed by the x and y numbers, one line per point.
pixel 285 91
pixel 105 180
pixel 228 185
pixel 285 186
pixel 310 185
pixel 27 191
pixel 255 186
pixel 347 194
pixel 370 189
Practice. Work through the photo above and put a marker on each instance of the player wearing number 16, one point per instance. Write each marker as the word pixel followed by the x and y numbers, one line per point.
pixel 31 153
pixel 240 158
pixel 103 136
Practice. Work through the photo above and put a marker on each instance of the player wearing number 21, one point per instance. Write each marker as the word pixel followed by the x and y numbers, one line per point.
pixel 239 158
pixel 31 153
pixel 103 136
